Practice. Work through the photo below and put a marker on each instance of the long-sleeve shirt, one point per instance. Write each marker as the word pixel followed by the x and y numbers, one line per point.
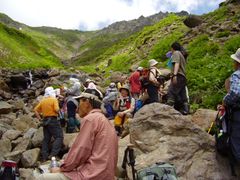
pixel 134 81
pixel 94 153
pixel 48 106
pixel 233 96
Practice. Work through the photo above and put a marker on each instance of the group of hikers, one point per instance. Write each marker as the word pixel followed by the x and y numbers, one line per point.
pixel 94 152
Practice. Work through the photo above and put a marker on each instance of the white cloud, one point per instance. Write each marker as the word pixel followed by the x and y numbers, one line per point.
pixel 93 14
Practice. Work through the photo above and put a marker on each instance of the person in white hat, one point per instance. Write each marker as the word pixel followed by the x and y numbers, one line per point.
pixel 72 105
pixel 47 111
pixel 153 85
pixel 232 101
pixel 93 155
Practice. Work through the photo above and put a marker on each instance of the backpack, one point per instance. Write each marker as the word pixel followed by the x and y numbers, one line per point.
pixel 222 133
pixel 158 171
pixel 9 170
pixel 145 77
pixel 222 136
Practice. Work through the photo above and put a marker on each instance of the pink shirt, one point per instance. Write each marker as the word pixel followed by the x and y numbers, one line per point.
pixel 135 82
pixel 93 155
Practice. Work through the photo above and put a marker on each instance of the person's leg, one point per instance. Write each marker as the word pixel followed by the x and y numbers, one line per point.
pixel 57 134
pixel 46 140
pixel 71 125
pixel 118 124
pixel 153 94
pixel 52 176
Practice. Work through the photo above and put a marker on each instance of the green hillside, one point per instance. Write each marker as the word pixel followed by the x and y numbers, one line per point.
pixel 209 46
pixel 18 50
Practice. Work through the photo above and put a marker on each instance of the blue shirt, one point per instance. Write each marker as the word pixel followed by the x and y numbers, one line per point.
pixel 233 97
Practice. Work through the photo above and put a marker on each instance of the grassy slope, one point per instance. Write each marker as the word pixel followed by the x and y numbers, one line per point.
pixel 18 50
pixel 209 63
pixel 63 43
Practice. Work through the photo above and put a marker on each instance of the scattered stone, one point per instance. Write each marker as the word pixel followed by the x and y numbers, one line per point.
pixel 5 108
pixel 12 134
pixel 30 157
pixel 37 138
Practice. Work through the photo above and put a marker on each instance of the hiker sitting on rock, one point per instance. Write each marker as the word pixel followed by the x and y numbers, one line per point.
pixel 94 152
pixel 124 105
pixel 48 109
pixel 110 97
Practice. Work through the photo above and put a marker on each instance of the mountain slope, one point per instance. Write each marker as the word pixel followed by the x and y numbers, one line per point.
pixel 20 50
pixel 209 45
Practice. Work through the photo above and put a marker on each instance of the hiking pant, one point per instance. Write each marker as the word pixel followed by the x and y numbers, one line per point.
pixel 51 128
pixel 177 92
pixel 235 135
pixel 119 122
pixel 72 124
pixel 52 176
pixel 152 93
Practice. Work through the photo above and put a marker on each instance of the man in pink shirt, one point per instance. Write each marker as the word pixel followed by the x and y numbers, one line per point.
pixel 93 155
pixel 135 84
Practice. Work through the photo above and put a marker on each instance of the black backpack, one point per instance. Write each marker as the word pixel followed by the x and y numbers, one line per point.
pixel 9 170
pixel 222 136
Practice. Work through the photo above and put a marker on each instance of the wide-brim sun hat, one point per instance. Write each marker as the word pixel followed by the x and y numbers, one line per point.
pixel 236 56
pixel 91 94
pixel 139 68
pixel 126 87
pixel 152 62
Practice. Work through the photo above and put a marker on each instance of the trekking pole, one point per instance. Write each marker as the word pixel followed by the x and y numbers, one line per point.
pixel 210 127
pixel 131 160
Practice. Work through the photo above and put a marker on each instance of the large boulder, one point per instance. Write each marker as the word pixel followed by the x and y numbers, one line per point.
pixel 204 118
pixel 26 174
pixel 162 134
pixel 69 139
pixel 193 21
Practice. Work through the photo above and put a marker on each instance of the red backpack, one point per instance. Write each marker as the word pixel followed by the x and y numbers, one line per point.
pixel 9 170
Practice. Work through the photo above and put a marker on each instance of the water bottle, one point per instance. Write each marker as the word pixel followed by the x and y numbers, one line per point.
pixel 54 163
pixel 220 133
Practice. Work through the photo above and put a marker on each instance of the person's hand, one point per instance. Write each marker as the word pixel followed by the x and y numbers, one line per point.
pixel 120 114
pixel 55 170
pixel 174 80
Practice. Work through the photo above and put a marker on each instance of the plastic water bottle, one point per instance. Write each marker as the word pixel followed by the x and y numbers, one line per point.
pixel 220 133
pixel 54 162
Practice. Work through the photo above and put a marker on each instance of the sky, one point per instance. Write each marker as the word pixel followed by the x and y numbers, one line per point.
pixel 95 14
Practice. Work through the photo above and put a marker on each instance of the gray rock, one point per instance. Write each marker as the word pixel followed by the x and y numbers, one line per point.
pixel 30 133
pixel 193 21
pixel 14 156
pixel 6 147
pixel 5 108
pixel 37 138
pixel 26 174
pixel 24 122
pixel 163 135
pixel 30 157
pixel 12 134
pixel 24 145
